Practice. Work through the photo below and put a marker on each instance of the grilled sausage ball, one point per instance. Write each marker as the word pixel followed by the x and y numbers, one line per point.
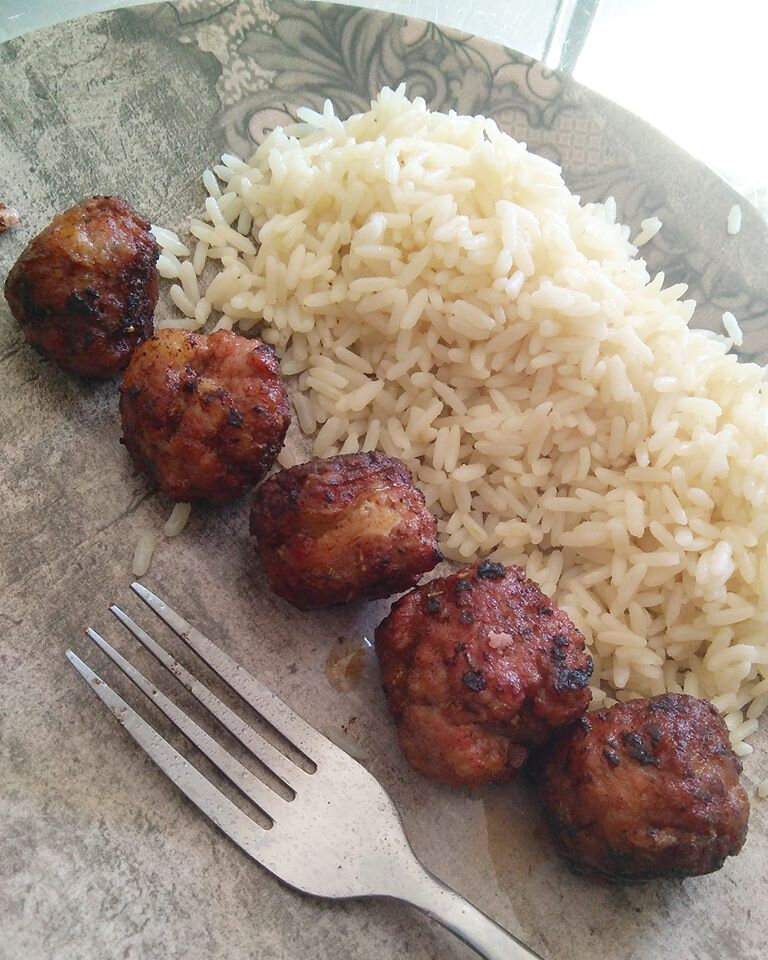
pixel 646 789
pixel 477 668
pixel 344 527
pixel 204 416
pixel 84 290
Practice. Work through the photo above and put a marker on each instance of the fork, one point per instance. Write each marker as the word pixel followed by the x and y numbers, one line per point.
pixel 339 836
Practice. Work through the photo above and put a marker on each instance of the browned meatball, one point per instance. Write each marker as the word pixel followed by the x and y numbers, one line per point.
pixel 477 668
pixel 84 290
pixel 205 416
pixel 344 527
pixel 646 789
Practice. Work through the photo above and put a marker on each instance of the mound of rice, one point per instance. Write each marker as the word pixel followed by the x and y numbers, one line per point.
pixel 440 295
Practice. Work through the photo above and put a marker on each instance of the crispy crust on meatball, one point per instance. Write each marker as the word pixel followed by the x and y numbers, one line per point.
pixel 331 530
pixel 646 789
pixel 204 416
pixel 84 290
pixel 477 668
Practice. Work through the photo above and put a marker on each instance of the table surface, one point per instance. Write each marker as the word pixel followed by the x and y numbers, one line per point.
pixel 97 873
pixel 693 73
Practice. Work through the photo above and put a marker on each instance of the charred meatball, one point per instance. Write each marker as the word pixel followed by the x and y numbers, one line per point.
pixel 204 416
pixel 84 290
pixel 345 527
pixel 646 789
pixel 477 668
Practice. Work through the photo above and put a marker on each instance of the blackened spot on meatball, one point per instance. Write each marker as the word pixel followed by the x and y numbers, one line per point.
pixel 462 586
pixel 466 616
pixel 433 604
pixel 474 680
pixel 636 748
pixel 655 732
pixel 234 417
pixel 612 757
pixel 560 640
pixel 573 679
pixel 190 379
pixel 133 300
pixel 665 702
pixel 489 570
pixel 83 302
pixel 544 611
pixel 459 651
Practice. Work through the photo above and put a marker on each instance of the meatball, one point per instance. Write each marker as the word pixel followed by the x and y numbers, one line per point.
pixel 477 668
pixel 84 290
pixel 204 416
pixel 646 789
pixel 344 527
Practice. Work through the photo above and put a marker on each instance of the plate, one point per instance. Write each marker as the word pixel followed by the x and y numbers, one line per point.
pixel 102 857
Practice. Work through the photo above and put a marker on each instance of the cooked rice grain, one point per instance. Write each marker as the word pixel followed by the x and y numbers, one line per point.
pixel 648 230
pixel 177 519
pixel 142 557
pixel 734 220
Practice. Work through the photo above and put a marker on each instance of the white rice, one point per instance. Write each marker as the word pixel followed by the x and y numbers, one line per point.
pixel 648 230
pixel 734 220
pixel 732 329
pixel 177 520
pixel 169 242
pixel 441 296
pixel 142 557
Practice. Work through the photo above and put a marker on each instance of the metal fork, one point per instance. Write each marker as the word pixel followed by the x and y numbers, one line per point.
pixel 339 836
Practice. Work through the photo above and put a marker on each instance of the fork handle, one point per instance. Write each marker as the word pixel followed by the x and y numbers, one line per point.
pixel 485 936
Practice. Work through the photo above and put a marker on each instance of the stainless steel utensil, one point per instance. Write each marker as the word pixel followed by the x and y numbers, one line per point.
pixel 338 836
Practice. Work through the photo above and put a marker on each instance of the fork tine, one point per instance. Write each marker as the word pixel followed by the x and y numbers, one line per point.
pixel 267 800
pixel 275 761
pixel 279 714
pixel 247 834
